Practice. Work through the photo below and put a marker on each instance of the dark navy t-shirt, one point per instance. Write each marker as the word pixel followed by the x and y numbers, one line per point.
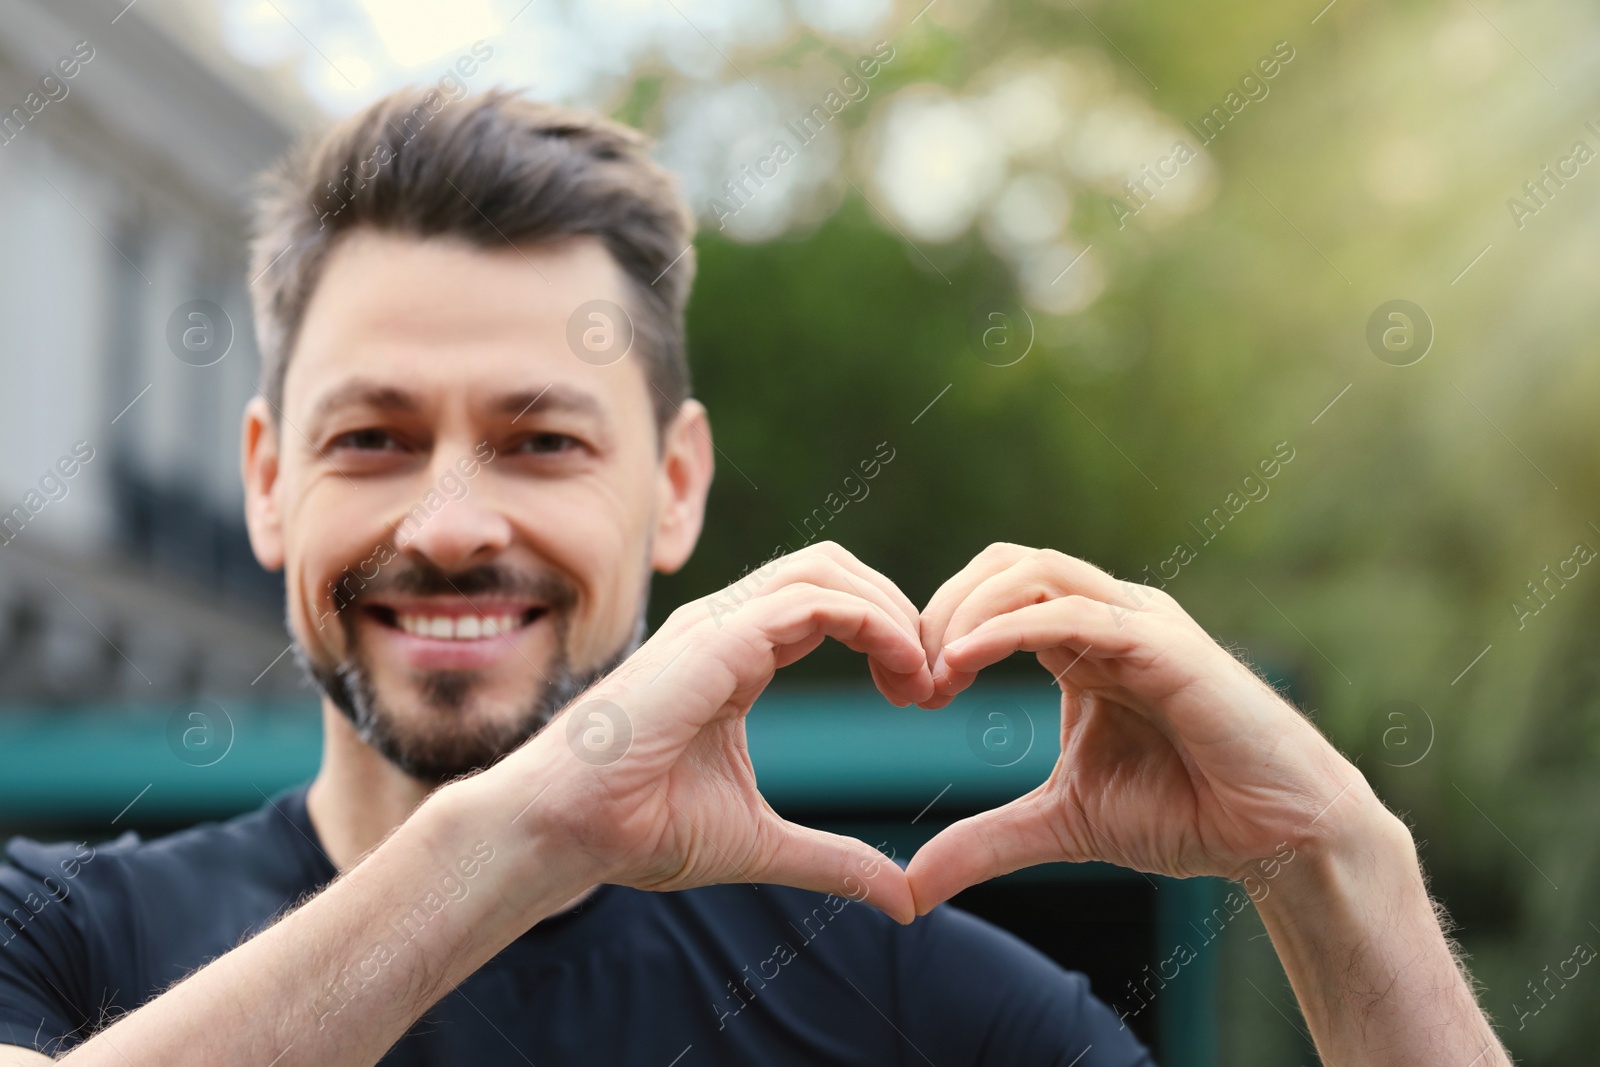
pixel 731 974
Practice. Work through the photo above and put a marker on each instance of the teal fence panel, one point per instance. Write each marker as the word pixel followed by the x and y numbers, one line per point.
pixel 821 751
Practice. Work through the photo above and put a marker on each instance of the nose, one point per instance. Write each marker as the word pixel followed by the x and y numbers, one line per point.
pixel 453 523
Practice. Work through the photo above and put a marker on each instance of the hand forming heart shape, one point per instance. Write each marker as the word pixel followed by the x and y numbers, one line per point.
pixel 1175 757
pixel 670 801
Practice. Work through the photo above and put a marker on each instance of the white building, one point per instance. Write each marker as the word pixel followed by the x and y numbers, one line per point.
pixel 126 161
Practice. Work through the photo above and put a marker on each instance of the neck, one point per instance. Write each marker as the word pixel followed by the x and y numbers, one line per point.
pixel 358 797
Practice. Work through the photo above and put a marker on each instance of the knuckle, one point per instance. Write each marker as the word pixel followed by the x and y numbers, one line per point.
pixel 1139 596
pixel 1052 557
pixel 1047 569
pixel 829 565
pixel 843 555
pixel 799 592
pixel 813 571
pixel 1163 598
pixel 831 549
pixel 689 613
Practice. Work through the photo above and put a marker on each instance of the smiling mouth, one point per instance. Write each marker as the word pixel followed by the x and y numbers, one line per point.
pixel 474 626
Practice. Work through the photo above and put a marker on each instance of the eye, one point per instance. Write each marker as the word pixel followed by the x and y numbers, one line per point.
pixel 368 440
pixel 549 444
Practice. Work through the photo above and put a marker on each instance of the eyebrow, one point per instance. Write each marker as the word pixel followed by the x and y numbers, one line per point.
pixel 552 397
pixel 513 405
pixel 360 393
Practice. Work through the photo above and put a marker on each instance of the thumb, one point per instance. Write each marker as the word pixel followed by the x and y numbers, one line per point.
pixel 985 846
pixel 806 858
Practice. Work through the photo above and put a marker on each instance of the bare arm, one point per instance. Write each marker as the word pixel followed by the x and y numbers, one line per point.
pixel 663 799
pixel 1370 965
pixel 341 978
pixel 335 981
pixel 1177 759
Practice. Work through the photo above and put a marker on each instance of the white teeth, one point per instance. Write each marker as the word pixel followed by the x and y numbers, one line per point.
pixel 458 628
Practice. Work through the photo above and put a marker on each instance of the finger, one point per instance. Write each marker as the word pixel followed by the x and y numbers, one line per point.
pixel 734 659
pixel 1072 624
pixel 829 565
pixel 943 603
pixel 999 841
pixel 838 569
pixel 794 653
pixel 1042 576
pixel 1038 579
pixel 902 603
pixel 1003 578
pixel 720 669
pixel 902 690
pixel 936 615
pixel 797 613
pixel 844 866
pixel 1088 625
pixel 1153 658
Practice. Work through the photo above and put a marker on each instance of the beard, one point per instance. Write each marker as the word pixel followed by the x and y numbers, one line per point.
pixel 467 744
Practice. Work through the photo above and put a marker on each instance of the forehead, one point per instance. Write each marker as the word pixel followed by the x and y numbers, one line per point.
pixel 436 317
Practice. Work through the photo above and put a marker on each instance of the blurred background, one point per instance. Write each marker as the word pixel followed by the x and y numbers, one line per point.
pixel 1086 271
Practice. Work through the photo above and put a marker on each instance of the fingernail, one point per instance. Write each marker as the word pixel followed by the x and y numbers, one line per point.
pixel 939 665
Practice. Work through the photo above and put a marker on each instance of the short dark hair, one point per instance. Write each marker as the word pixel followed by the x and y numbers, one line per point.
pixel 489 168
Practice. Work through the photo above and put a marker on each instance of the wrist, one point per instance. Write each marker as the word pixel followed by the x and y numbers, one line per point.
pixel 1359 939
pixel 1363 863
pixel 521 872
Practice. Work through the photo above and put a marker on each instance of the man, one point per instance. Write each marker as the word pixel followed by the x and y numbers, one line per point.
pixel 543 838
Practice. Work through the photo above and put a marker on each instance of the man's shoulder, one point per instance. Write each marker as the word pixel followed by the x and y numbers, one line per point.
pixel 102 927
pixel 257 847
pixel 191 893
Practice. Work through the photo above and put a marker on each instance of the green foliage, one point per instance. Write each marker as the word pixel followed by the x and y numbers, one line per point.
pixel 641 100
pixel 1389 552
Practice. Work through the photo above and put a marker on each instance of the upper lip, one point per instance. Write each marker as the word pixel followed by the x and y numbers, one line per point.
pixel 457 619
pixel 458 607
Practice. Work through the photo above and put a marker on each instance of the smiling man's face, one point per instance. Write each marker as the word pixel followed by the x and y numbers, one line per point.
pixel 467 513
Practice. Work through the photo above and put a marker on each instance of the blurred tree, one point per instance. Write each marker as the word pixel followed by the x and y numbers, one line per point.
pixel 1420 502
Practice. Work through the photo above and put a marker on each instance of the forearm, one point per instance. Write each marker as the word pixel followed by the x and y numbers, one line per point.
pixel 1372 968
pixel 341 978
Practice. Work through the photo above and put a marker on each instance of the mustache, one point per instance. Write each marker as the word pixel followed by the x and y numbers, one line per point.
pixel 421 578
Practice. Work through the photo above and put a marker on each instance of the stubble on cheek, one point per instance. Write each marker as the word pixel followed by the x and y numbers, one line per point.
pixel 320 626
pixel 602 620
pixel 324 578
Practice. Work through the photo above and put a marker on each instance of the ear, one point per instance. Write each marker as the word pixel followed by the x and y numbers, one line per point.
pixel 259 466
pixel 683 478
